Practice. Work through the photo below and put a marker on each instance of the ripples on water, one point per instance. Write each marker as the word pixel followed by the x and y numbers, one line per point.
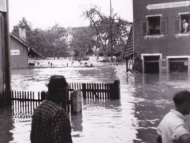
pixel 145 99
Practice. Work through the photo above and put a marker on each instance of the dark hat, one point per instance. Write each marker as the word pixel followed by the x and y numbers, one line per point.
pixel 57 81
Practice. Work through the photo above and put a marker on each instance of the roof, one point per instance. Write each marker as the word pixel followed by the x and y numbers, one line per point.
pixel 19 40
pixel 129 47
pixel 31 50
pixel 34 52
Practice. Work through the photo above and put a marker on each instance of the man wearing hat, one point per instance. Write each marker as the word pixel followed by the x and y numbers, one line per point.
pixel 50 123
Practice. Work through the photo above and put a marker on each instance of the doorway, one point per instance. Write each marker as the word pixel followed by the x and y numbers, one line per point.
pixel 151 64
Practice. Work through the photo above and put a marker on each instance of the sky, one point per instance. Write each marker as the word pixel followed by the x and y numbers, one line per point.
pixel 67 13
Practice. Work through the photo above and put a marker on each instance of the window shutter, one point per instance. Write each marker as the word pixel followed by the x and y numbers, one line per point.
pixel 144 28
pixel 177 25
pixel 164 26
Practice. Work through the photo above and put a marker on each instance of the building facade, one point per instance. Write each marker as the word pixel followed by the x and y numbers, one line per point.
pixel 161 34
pixel 18 53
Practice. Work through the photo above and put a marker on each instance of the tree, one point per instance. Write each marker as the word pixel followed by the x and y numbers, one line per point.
pixel 39 41
pixel 23 23
pixel 51 42
pixel 57 40
pixel 110 32
pixel 82 42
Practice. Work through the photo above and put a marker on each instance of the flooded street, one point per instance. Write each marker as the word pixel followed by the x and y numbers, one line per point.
pixel 145 99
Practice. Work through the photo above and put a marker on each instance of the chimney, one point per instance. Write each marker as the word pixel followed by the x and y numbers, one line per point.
pixel 22 33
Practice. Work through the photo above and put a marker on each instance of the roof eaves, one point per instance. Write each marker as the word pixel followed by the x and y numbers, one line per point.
pixel 36 52
pixel 19 40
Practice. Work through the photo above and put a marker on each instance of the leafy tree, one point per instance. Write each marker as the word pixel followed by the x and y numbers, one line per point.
pixel 82 42
pixel 110 32
pixel 58 45
pixel 23 23
pixel 51 42
pixel 39 41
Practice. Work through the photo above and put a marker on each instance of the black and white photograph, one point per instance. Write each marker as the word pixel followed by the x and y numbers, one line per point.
pixel 94 71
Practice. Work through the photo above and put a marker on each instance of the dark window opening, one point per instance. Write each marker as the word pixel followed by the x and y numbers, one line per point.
pixel 185 23
pixel 179 65
pixel 154 25
pixel 151 64
pixel 152 67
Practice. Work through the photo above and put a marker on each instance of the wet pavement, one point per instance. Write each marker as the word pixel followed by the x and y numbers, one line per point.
pixel 145 99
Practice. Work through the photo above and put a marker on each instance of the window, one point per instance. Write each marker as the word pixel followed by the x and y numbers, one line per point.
pixel 182 24
pixel 154 25
pixel 185 23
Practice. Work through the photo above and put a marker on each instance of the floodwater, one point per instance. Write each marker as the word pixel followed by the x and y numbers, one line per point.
pixel 145 99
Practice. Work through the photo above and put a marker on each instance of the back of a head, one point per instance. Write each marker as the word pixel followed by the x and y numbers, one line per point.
pixel 181 97
pixel 56 83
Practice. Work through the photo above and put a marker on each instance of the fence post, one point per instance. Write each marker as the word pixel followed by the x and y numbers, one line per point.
pixel 76 101
pixel 43 95
pixel 117 89
pixel 112 94
pixel 84 90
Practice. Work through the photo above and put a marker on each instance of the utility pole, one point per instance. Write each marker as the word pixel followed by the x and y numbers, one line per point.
pixel 111 28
